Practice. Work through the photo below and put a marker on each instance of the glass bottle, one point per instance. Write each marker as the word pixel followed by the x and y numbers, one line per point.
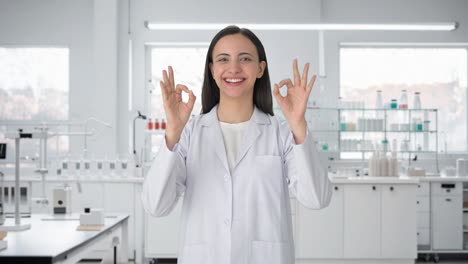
pixel 378 100
pixel 156 124
pixel 150 124
pixel 417 101
pixel 404 100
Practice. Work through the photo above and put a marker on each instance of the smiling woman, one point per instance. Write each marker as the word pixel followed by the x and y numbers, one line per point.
pixel 236 163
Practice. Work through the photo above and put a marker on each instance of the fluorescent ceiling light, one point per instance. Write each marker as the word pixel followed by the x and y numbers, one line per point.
pixel 403 27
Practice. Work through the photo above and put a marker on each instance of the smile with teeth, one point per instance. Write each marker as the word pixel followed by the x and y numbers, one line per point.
pixel 234 80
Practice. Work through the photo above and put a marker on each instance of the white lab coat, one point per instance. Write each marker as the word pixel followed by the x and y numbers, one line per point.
pixel 243 217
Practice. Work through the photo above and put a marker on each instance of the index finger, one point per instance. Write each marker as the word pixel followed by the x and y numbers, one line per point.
pixel 297 77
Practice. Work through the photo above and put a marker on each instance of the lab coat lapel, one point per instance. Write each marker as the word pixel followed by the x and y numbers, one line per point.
pixel 252 133
pixel 216 137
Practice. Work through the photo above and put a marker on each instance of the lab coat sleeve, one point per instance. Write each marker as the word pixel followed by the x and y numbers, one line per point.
pixel 306 172
pixel 165 181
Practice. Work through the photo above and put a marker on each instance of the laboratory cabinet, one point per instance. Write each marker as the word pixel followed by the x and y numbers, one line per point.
pixel 398 209
pixel 319 233
pixel 447 216
pixel 362 221
pixel 423 215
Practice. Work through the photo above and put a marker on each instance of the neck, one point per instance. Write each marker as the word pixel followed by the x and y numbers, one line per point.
pixel 235 111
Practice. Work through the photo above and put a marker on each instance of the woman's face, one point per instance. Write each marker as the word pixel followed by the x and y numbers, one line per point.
pixel 236 67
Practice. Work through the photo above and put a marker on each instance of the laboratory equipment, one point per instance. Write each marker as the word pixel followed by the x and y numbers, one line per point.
pixel 62 200
pixel 137 161
pixel 156 124
pixel 163 124
pixel 150 124
pixel 403 100
pixel 417 101
pixel 378 100
pixel 393 104
pixel 17 136
pixel 3 147
pixel 93 216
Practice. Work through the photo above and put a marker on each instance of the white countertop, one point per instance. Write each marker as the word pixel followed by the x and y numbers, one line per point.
pixel 374 180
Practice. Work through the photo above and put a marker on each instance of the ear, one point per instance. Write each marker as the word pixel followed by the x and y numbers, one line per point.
pixel 261 69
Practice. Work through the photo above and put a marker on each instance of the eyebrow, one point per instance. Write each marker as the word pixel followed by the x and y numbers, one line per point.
pixel 240 54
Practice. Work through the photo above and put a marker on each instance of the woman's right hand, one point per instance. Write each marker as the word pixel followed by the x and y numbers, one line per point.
pixel 177 112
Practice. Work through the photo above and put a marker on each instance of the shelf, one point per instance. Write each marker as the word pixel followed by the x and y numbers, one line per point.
pixel 387 110
pixel 385 131
pixel 400 151
pixel 317 108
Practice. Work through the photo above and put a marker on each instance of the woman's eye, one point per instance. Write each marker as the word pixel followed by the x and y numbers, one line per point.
pixel 246 59
pixel 222 59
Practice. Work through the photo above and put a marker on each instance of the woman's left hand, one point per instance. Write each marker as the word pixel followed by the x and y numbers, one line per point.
pixel 294 104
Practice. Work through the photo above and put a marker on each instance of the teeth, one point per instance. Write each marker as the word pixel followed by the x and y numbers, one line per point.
pixel 234 80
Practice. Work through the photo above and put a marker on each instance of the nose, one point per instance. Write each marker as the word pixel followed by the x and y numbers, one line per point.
pixel 234 67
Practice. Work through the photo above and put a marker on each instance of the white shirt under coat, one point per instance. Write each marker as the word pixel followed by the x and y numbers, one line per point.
pixel 243 217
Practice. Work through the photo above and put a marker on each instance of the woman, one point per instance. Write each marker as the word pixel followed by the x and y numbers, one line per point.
pixel 235 164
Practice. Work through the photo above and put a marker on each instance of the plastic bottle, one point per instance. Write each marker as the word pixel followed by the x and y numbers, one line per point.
pixel 370 164
pixel 404 100
pixel 393 165
pixel 378 100
pixel 383 164
pixel 163 124
pixel 417 101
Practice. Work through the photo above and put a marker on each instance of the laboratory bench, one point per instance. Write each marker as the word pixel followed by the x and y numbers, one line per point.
pixel 55 239
pixel 369 220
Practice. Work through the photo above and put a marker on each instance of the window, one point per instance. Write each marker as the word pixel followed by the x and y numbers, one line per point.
pixel 188 64
pixel 439 74
pixel 34 87
pixel 34 83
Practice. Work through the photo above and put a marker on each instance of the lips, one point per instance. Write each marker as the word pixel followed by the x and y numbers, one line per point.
pixel 234 80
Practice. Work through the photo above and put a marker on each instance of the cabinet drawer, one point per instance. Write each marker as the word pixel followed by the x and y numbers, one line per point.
pixel 446 188
pixel 423 236
pixel 423 189
pixel 423 219
pixel 422 203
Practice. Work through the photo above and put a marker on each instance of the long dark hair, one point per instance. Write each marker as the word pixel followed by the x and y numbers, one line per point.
pixel 262 89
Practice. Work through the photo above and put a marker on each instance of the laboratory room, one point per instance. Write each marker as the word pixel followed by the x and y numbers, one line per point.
pixel 245 132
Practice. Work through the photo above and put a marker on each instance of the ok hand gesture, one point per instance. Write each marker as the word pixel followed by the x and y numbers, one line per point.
pixel 294 104
pixel 177 112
